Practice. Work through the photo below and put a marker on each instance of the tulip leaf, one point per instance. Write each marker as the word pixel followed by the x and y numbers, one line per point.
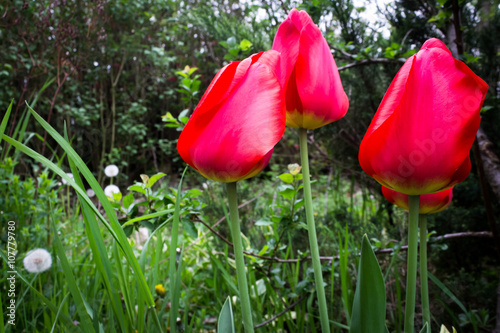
pixel 226 320
pixel 368 310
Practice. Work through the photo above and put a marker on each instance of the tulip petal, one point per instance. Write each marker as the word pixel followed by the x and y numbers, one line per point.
pixel 286 42
pixel 318 81
pixel 429 203
pixel 234 139
pixel 300 18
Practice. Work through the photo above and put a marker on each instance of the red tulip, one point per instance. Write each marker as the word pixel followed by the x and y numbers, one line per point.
pixel 429 203
pixel 239 120
pixel 419 140
pixel 313 90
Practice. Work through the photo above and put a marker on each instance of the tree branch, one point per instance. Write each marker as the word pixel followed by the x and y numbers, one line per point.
pixel 281 313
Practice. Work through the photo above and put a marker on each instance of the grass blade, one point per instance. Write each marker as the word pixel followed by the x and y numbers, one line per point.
pixel 96 242
pixel 5 119
pixel 447 291
pixel 84 312
pixel 173 254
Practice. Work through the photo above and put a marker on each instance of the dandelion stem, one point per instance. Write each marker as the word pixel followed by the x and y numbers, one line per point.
pixel 311 228
pixel 411 278
pixel 246 309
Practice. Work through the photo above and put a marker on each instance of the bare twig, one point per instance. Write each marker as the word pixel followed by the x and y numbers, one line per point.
pixel 281 313
pixel 482 234
pixel 222 219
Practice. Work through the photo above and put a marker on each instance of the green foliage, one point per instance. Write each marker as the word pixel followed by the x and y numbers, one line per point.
pixel 226 320
pixel 111 72
pixel 368 310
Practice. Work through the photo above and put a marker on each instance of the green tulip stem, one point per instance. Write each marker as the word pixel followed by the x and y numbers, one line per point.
pixel 411 271
pixel 246 309
pixel 424 289
pixel 311 228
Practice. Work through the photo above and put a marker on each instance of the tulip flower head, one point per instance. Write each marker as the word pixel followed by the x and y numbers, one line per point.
pixel 240 118
pixel 419 140
pixel 37 261
pixel 313 90
pixel 429 203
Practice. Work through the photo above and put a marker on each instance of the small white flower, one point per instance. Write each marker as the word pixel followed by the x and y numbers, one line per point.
pixel 143 235
pixel 37 261
pixel 90 193
pixel 110 189
pixel 70 175
pixel 111 170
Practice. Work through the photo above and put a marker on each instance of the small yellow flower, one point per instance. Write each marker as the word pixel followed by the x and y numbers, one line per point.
pixel 160 290
pixel 294 169
pixel 315 214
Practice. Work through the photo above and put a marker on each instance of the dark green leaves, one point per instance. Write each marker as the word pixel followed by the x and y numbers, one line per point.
pixel 368 311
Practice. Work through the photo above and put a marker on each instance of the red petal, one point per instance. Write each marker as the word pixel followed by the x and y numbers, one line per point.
pixel 227 142
pixel 286 42
pixel 429 203
pixel 300 19
pixel 318 81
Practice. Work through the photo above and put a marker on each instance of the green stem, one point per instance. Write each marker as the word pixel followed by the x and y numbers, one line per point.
pixel 424 290
pixel 246 309
pixel 311 228
pixel 411 271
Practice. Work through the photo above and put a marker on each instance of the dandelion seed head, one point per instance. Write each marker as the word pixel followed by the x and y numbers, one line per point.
pixel 90 193
pixel 111 170
pixel 37 261
pixel 110 189
pixel 70 175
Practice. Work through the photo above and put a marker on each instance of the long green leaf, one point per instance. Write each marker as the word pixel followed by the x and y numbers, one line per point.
pixel 114 226
pixel 24 120
pixel 96 242
pixel 58 312
pixel 447 291
pixel 368 310
pixel 226 320
pixel 173 254
pixel 84 312
pixel 147 217
pixel 5 119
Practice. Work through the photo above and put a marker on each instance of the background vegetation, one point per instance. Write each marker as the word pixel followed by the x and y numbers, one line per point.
pixel 124 77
